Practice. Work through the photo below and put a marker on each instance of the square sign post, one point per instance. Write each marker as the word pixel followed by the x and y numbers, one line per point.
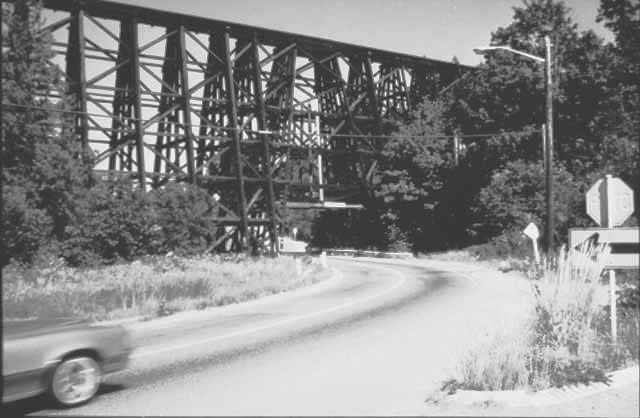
pixel 609 204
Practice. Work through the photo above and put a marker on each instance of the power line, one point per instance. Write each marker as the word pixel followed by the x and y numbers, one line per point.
pixel 281 132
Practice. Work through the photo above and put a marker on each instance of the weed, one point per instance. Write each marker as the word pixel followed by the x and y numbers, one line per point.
pixel 564 343
pixel 155 286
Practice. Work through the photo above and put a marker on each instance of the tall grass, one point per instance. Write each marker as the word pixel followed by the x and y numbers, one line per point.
pixel 497 364
pixel 566 296
pixel 567 346
pixel 157 286
pixel 561 343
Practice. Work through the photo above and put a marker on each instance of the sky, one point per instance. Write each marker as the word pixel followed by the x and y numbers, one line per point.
pixel 439 29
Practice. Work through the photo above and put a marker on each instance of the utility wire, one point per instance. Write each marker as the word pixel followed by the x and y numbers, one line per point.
pixel 266 132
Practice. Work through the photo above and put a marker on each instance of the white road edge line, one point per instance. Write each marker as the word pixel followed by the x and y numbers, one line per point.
pixel 145 353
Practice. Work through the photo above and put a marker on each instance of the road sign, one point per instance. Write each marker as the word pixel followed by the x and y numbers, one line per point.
pixel 533 232
pixel 609 201
pixel 624 242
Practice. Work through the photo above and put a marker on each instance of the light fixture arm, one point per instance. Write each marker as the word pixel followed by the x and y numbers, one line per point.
pixel 482 50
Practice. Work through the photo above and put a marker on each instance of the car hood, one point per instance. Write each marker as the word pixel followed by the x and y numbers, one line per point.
pixel 16 327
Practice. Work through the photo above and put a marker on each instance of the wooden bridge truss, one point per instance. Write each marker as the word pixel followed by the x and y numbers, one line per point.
pixel 263 118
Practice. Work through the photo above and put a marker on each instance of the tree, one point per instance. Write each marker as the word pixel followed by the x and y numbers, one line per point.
pixel 620 149
pixel 622 17
pixel 43 166
pixel 412 175
pixel 595 127
pixel 516 196
pixel 507 93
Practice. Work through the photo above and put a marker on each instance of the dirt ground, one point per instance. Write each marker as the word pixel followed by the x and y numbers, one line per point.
pixel 618 402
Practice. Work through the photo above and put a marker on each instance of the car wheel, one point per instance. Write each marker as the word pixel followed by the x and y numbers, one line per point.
pixel 75 380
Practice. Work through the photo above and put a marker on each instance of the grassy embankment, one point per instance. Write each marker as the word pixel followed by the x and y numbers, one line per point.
pixel 567 337
pixel 154 287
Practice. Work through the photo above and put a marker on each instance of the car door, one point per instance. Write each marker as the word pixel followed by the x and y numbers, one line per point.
pixel 24 366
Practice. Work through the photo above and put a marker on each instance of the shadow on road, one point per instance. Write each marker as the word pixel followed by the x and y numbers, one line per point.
pixel 43 402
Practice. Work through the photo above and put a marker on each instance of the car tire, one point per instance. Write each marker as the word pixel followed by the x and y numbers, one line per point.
pixel 75 380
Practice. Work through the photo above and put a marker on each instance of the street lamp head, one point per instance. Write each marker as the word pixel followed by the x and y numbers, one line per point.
pixel 481 50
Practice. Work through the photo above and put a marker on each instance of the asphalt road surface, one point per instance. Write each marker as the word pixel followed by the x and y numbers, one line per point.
pixel 375 340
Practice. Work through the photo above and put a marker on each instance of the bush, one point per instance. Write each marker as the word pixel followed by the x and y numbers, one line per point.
pixel 114 220
pixel 185 219
pixel 24 226
pixel 628 304
pixel 511 244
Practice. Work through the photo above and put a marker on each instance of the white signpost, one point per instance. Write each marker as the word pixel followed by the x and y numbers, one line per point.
pixel 533 233
pixel 609 204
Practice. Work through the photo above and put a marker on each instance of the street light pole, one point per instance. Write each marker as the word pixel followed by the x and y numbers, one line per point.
pixel 549 146
pixel 548 138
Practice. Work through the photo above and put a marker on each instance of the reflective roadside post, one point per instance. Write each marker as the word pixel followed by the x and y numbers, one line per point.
pixel 533 233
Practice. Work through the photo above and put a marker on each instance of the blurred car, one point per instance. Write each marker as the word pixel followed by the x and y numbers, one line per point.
pixel 66 358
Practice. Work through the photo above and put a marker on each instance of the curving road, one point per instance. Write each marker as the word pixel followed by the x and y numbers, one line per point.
pixel 374 340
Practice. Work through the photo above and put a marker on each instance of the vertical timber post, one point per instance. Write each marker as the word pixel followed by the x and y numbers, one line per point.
pixel 544 147
pixel 614 307
pixel 76 73
pixel 292 90
pixel 609 204
pixel 233 116
pixel 319 145
pixel 186 98
pixel 549 146
pixel 137 112
pixel 257 79
pixel 373 98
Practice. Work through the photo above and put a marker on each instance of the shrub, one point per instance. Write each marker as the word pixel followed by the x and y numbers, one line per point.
pixel 185 218
pixel 510 244
pixel 114 220
pixel 628 304
pixel 24 226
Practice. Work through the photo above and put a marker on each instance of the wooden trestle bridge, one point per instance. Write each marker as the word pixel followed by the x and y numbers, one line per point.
pixel 265 119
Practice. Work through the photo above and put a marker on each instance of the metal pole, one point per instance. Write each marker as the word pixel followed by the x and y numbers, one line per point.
pixel 549 146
